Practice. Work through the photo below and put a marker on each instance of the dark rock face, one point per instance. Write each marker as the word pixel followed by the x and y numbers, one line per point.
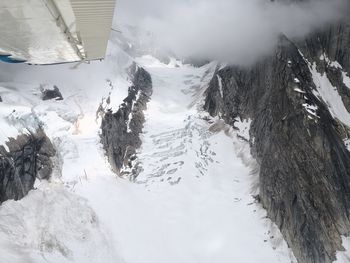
pixel 333 41
pixel 121 130
pixel 28 158
pixel 50 94
pixel 304 164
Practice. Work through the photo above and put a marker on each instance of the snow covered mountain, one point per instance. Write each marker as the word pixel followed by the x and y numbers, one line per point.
pixel 298 103
pixel 143 158
pixel 177 199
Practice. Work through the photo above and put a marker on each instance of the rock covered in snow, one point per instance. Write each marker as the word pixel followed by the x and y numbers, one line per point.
pixel 121 130
pixel 28 158
pixel 51 94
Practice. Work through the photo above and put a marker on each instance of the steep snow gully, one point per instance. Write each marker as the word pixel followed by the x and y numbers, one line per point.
pixel 192 199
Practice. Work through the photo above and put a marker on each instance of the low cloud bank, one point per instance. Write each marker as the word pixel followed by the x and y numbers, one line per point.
pixel 235 31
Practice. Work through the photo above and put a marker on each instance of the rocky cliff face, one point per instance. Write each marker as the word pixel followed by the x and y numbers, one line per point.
pixel 28 158
pixel 121 130
pixel 296 139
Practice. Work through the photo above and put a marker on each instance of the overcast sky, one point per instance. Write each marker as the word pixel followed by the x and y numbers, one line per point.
pixel 230 30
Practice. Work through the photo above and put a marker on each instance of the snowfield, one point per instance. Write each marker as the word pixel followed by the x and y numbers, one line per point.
pixel 192 201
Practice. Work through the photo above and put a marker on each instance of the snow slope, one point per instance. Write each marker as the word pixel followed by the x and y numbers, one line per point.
pixel 192 201
pixel 54 223
pixel 329 94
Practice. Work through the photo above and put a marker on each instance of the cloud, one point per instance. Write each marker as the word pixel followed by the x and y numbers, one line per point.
pixel 237 31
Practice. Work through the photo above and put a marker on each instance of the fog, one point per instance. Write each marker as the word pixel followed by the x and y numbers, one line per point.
pixel 235 31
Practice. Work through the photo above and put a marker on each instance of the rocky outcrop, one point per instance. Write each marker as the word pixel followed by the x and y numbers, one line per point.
pixel 28 157
pixel 304 164
pixel 121 130
pixel 51 94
